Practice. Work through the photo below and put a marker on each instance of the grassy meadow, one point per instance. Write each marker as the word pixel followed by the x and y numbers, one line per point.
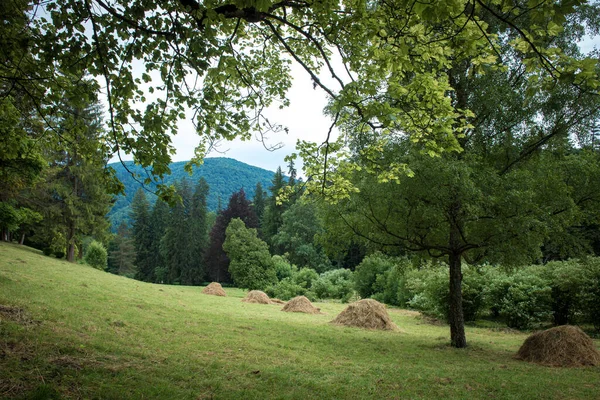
pixel 69 331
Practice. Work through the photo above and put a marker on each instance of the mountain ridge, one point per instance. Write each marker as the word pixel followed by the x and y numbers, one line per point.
pixel 224 176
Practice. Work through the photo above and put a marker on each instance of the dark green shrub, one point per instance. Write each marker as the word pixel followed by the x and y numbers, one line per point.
pixel 305 277
pixel 334 284
pixel 366 273
pixel 566 278
pixel 286 289
pixel 523 299
pixel 590 291
pixel 430 290
pixel 96 255
pixel 283 268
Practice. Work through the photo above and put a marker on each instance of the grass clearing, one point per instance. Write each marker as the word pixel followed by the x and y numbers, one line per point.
pixel 77 332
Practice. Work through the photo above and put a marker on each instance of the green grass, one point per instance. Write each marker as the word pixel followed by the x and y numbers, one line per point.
pixel 69 331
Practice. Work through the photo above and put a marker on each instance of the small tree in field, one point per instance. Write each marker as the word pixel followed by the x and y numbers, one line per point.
pixel 251 265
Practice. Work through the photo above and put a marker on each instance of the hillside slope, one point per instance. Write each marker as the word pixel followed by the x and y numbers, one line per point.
pixel 224 176
pixel 69 331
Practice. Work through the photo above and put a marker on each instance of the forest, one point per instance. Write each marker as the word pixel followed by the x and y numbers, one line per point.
pixel 464 181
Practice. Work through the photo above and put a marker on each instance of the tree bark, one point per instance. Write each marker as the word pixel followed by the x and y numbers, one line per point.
pixel 455 315
pixel 71 243
pixel 22 240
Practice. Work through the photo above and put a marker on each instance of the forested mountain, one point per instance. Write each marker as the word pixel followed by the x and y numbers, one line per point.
pixel 223 175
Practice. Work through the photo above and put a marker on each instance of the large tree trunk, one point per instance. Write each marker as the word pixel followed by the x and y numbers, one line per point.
pixel 455 316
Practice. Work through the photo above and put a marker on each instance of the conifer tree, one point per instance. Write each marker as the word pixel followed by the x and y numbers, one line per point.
pixel 121 252
pixel 175 242
pixel 142 237
pixel 259 204
pixel 198 238
pixel 273 213
pixel 159 219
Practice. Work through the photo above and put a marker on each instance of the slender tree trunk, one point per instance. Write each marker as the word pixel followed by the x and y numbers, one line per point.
pixel 22 240
pixel 71 243
pixel 456 315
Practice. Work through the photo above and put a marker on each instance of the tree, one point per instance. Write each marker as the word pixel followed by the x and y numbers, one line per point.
pixel 259 202
pixel 274 208
pixel 175 244
pixel 216 259
pixel 121 253
pixel 140 215
pixel 251 266
pixel 298 237
pixel 198 240
pixel 159 220
pixel 74 196
pixel 391 74
pixel 498 199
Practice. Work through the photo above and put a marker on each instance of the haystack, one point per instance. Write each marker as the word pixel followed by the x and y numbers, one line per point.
pixel 562 346
pixel 256 296
pixel 215 289
pixel 301 304
pixel 367 313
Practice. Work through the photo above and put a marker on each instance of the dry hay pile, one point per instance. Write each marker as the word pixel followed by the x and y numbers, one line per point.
pixel 215 289
pixel 366 313
pixel 562 346
pixel 257 297
pixel 301 304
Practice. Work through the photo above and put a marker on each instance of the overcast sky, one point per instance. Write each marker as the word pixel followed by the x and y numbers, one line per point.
pixel 304 119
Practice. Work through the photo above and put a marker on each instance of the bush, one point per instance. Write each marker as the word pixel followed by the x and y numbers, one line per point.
pixel 96 255
pixel 305 277
pixel 287 289
pixel 334 284
pixel 283 268
pixel 431 293
pixel 566 278
pixel 366 273
pixel 428 288
pixel 390 287
pixel 523 299
pixel 590 291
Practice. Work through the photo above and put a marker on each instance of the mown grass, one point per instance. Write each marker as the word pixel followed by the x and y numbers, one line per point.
pixel 69 331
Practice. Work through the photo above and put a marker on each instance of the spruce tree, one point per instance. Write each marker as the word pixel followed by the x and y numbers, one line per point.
pixel 273 213
pixel 259 202
pixel 198 238
pixel 142 237
pixel 121 252
pixel 175 242
pixel 159 220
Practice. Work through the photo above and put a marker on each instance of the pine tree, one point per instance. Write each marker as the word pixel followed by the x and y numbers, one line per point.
pixel 198 240
pixel 159 219
pixel 272 215
pixel 142 236
pixel 216 260
pixel 259 201
pixel 175 243
pixel 121 252
pixel 74 195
